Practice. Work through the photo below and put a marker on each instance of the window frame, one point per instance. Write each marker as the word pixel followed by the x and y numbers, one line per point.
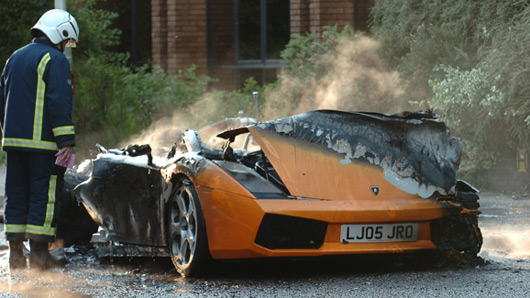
pixel 239 64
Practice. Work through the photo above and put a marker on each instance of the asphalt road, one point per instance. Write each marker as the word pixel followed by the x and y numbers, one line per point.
pixel 505 224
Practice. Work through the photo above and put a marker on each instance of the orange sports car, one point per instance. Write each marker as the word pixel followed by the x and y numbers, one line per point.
pixel 324 182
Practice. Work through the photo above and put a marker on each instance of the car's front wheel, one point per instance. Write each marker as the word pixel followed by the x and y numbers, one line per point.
pixel 187 240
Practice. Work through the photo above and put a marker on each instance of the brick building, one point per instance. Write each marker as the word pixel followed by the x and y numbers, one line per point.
pixel 232 40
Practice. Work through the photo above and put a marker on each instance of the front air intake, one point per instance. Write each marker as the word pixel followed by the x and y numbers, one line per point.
pixel 289 232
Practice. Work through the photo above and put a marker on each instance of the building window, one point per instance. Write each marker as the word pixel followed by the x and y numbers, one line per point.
pixel 134 21
pixel 246 39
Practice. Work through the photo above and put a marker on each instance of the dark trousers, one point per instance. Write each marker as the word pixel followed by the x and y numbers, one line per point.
pixel 34 185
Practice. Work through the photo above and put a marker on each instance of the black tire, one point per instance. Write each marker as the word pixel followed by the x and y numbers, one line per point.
pixel 187 241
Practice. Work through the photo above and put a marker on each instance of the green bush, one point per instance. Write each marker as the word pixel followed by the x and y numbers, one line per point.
pixel 474 54
pixel 489 106
pixel 472 107
pixel 304 52
pixel 119 102
pixel 114 101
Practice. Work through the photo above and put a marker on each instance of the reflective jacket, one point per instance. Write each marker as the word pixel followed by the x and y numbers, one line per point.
pixel 36 99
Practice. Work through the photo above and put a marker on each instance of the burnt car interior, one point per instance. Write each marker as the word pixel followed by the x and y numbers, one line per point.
pixel 242 139
pixel 260 163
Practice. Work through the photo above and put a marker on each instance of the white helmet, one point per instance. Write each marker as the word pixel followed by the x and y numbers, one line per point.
pixel 57 25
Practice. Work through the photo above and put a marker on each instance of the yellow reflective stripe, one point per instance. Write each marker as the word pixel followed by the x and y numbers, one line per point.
pixel 63 130
pixel 14 228
pixel 39 100
pixel 25 143
pixel 51 201
pixel 40 230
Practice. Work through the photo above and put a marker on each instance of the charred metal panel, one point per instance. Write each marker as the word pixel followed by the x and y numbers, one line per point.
pixel 417 155
pixel 126 200
pixel 106 248
pixel 75 225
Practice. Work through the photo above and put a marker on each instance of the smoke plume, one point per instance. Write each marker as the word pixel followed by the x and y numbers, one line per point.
pixel 354 77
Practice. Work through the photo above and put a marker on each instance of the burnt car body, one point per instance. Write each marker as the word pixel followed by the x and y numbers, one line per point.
pixel 324 182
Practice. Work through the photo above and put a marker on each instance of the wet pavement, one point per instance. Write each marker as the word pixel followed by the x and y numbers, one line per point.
pixel 505 225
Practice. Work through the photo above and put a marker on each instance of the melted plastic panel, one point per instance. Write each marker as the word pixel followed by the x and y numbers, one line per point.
pixel 125 200
pixel 417 155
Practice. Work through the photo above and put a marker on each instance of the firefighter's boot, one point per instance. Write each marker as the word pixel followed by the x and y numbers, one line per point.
pixel 17 260
pixel 40 257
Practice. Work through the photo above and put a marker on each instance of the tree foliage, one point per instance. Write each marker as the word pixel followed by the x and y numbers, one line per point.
pixel 475 56
pixel 508 57
pixel 97 35
pixel 18 16
pixel 418 35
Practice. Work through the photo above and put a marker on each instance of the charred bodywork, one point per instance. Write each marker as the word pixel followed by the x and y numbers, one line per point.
pixel 319 183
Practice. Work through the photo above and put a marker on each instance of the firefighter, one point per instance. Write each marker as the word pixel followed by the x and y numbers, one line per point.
pixel 36 100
